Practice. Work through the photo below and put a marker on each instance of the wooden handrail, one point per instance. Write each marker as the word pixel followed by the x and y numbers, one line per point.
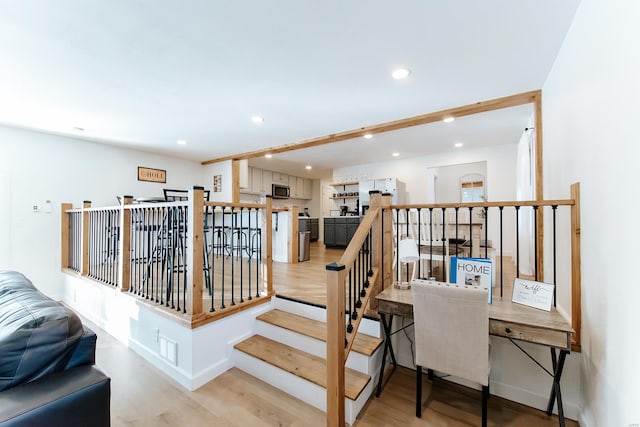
pixel 561 202
pixel 339 341
pixel 193 314
pixel 380 223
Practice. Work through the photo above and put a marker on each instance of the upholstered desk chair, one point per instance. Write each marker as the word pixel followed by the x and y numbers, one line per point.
pixel 452 334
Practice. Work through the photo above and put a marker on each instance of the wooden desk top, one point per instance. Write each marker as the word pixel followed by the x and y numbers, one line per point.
pixel 506 318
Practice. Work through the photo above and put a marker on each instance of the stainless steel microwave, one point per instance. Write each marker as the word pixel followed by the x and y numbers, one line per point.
pixel 279 191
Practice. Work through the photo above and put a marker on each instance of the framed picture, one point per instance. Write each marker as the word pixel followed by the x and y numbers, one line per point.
pixel 152 175
pixel 534 294
pixel 217 183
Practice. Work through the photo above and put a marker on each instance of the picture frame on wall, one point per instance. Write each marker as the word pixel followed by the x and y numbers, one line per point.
pixel 152 175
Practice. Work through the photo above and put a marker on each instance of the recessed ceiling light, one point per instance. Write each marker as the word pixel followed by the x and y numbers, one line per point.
pixel 308 167
pixel 395 154
pixel 368 135
pixel 79 129
pixel 448 119
pixel 401 73
pixel 257 119
pixel 181 142
pixel 268 156
pixel 458 144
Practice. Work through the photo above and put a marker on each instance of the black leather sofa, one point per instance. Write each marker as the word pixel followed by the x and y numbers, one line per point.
pixel 47 377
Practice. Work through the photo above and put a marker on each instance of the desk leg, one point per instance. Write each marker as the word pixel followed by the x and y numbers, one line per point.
pixel 558 366
pixel 387 347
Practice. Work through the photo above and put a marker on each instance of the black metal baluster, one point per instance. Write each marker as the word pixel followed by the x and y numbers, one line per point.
pixel 251 252
pixel 501 252
pixel 382 211
pixel 356 286
pixel 398 271
pixel 535 240
pixel 183 247
pixel 242 250
pixel 420 275
pixel 406 218
pixel 235 233
pixel 471 232
pixel 100 253
pixel 517 241
pixel 457 242
pixel 369 254
pixel 431 242
pixel 259 259
pixel 554 209
pixel 486 232
pixel 352 300
pixel 92 240
pixel 223 260
pixel 213 258
pixel 444 246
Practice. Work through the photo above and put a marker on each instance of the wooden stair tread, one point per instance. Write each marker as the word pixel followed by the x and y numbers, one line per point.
pixel 311 368
pixel 363 344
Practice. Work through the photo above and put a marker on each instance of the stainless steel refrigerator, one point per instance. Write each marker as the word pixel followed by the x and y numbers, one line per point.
pixel 386 185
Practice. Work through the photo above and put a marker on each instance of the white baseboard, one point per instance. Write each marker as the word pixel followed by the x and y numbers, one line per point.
pixel 531 399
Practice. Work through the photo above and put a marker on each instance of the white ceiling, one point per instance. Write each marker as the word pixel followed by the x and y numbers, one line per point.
pixel 146 73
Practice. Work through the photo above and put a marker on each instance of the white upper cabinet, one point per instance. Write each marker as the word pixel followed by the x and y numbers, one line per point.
pixel 244 174
pixel 267 181
pixel 308 189
pixel 280 178
pixel 260 181
pixel 256 181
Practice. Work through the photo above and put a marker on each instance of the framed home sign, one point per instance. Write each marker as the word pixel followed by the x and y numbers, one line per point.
pixel 152 175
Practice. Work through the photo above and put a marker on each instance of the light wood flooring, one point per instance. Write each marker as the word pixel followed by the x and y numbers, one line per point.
pixel 144 396
pixel 307 280
pixel 141 395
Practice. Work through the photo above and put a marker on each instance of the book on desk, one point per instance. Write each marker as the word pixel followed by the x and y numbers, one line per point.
pixel 472 272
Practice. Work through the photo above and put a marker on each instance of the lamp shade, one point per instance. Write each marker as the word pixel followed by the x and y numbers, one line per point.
pixel 408 250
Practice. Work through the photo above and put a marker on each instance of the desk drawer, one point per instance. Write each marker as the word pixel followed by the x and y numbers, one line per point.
pixel 552 338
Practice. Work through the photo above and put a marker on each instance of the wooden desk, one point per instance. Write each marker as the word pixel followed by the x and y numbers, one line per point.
pixel 506 319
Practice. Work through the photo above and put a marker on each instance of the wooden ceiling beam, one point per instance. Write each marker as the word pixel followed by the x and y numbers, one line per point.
pixel 465 110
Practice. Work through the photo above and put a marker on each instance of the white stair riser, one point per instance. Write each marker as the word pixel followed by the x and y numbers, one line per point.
pixel 356 361
pixel 367 326
pixel 300 388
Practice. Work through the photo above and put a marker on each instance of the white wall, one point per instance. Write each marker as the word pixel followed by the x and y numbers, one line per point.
pixel 500 178
pixel 513 375
pixel 225 170
pixel 590 113
pixel 40 167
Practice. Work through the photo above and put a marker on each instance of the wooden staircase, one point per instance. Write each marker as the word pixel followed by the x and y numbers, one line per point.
pixel 288 351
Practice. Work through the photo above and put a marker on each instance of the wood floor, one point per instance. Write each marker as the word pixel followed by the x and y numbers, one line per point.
pixel 141 395
pixel 144 396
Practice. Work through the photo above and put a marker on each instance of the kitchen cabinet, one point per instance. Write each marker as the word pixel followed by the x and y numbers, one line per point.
pixel 260 182
pixel 266 182
pixel 315 229
pixel 256 181
pixel 293 187
pixel 309 224
pixel 307 189
pixel 339 230
pixel 280 178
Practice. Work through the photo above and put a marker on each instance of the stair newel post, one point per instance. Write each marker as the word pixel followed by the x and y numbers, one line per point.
pixel 375 202
pixel 64 233
pixel 335 344
pixel 268 247
pixel 124 245
pixel 387 241
pixel 85 237
pixel 195 260
pixel 293 235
